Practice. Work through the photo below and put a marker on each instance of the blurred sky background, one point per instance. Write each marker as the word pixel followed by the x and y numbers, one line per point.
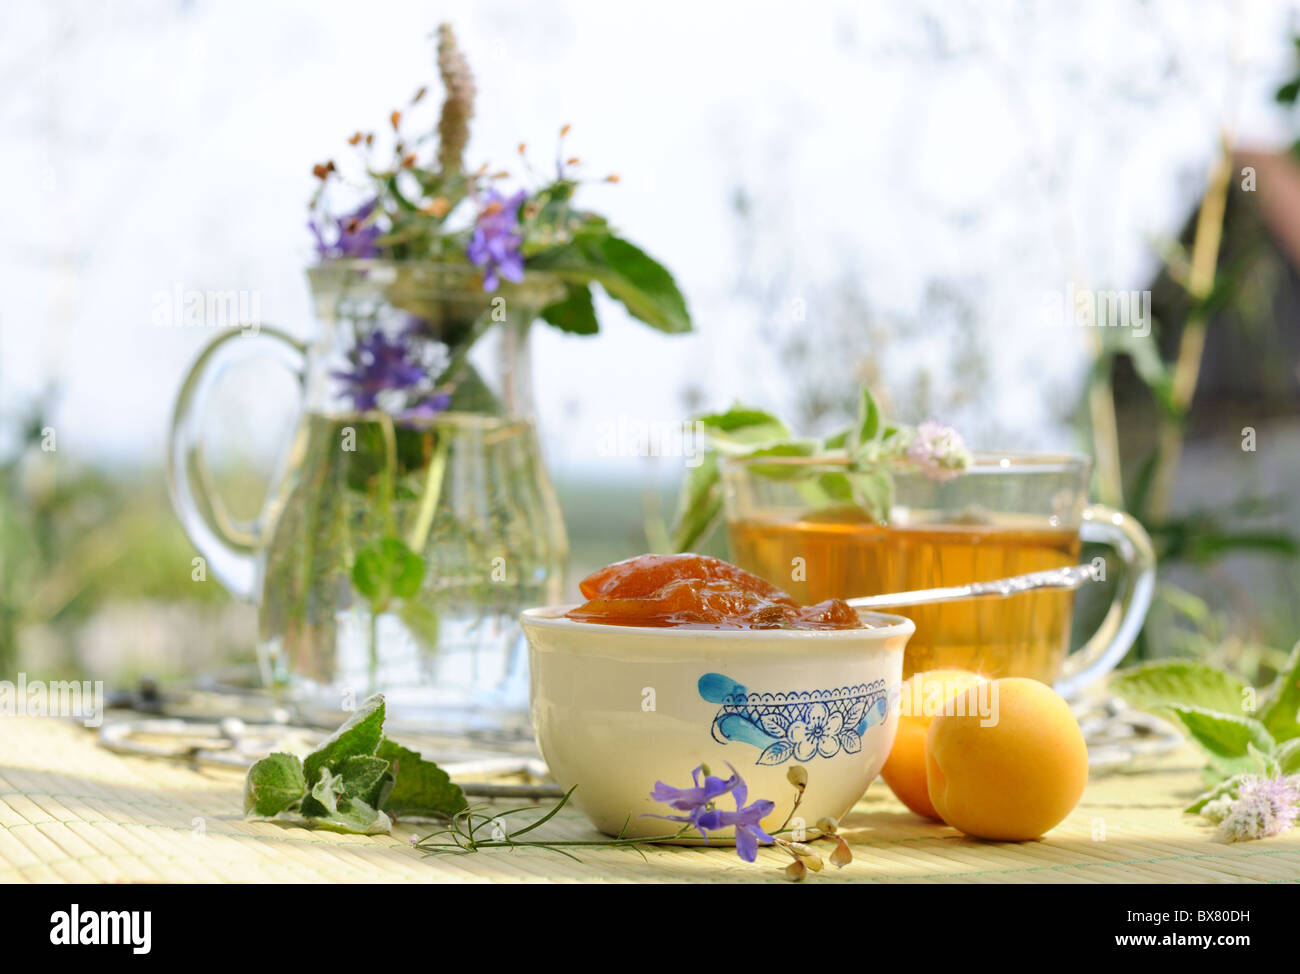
pixel 845 191
pixel 917 175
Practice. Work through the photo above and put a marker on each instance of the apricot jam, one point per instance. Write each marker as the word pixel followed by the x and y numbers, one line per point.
pixel 699 592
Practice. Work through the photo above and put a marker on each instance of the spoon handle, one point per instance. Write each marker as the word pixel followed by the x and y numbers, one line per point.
pixel 1069 577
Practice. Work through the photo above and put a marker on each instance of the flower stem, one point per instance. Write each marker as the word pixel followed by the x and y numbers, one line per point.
pixel 386 487
pixel 1191 345
pixel 785 826
pixel 457 358
pixel 433 480
pixel 373 633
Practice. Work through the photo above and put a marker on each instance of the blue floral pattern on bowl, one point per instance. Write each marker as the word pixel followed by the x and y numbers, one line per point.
pixel 798 724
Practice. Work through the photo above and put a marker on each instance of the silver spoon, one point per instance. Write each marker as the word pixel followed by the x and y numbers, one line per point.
pixel 1069 577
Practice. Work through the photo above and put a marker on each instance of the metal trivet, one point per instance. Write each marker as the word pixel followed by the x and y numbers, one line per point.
pixel 1119 736
pixel 232 729
pixel 221 724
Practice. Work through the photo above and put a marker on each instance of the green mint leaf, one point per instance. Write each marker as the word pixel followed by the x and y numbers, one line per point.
pixel 421 618
pixel 1280 711
pixel 836 488
pixel 1287 757
pixel 699 505
pixel 868 426
pixel 739 432
pixel 420 787
pixel 341 812
pixel 627 274
pixel 873 491
pixel 327 791
pixel 1225 788
pixel 363 777
pixel 575 313
pixel 741 429
pixel 354 815
pixel 781 471
pixel 360 734
pixel 274 785
pixel 837 441
pixel 387 569
pixel 1164 684
pixel 1265 763
pixel 1225 738
pixel 644 286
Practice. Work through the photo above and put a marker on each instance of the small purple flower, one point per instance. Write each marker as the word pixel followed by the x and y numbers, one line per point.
pixel 1263 807
pixel 431 406
pixel 494 245
pixel 379 364
pixel 746 820
pixel 698 802
pixel 355 238
pixel 938 450
pixel 388 374
pixel 694 801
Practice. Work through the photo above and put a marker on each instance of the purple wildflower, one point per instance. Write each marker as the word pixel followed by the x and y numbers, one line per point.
pixel 430 406
pixel 494 245
pixel 388 374
pixel 1263 807
pixel 356 236
pixel 694 801
pixel 938 450
pixel 380 364
pixel 746 820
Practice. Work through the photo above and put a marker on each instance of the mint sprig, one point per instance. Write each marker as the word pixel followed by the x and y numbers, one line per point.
pixel 864 455
pixel 353 782
pixel 385 570
pixel 277 786
pixel 1210 706
pixel 422 203
pixel 1163 684
pixel 417 785
pixel 1280 710
pixel 624 271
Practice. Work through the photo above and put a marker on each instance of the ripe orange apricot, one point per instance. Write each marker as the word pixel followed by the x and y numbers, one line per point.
pixel 921 698
pixel 1016 778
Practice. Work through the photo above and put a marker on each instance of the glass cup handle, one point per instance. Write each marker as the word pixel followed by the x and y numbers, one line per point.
pixel 227 544
pixel 1099 655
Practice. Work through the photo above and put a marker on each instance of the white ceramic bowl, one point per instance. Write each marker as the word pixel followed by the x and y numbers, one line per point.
pixel 617 708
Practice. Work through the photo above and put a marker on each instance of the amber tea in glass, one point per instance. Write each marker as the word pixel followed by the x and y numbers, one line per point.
pixel 1006 515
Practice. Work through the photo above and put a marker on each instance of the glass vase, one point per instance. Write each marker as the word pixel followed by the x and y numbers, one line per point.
pixel 413 518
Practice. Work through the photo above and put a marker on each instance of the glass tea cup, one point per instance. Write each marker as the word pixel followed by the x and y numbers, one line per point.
pixel 792 520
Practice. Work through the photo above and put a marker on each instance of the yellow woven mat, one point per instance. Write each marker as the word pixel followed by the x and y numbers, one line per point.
pixel 72 812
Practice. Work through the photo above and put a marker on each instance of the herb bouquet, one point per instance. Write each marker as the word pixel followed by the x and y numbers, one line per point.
pixel 415 517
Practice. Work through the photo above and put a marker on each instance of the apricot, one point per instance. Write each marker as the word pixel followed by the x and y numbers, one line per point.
pixel 921 698
pixel 1013 774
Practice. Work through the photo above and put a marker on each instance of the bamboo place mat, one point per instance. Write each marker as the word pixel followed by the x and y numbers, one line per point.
pixel 71 811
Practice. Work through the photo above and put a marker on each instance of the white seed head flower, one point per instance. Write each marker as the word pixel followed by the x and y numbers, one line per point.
pixel 1263 807
pixel 938 450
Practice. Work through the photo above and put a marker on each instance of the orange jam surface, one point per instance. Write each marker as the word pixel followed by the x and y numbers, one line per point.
pixel 699 592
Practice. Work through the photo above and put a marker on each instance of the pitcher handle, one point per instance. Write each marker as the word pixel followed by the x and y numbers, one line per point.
pixel 1100 654
pixel 227 544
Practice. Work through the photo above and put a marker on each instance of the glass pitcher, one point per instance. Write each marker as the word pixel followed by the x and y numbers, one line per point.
pixel 412 518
